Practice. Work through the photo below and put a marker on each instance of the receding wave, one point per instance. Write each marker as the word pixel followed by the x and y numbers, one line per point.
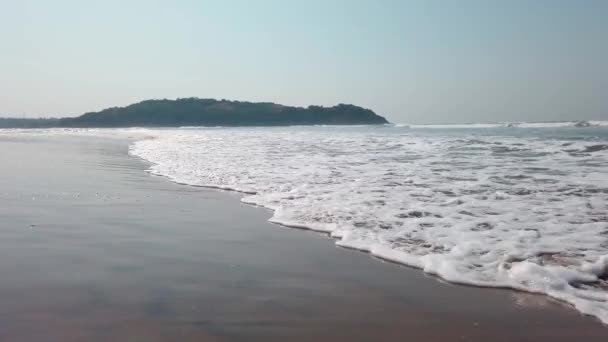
pixel 526 212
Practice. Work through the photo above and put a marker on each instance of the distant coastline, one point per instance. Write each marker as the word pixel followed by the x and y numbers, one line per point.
pixel 207 112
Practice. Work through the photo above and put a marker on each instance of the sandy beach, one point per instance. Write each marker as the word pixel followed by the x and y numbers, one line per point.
pixel 93 248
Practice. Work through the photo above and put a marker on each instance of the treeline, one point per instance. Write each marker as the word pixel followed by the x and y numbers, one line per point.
pixel 209 112
pixel 28 123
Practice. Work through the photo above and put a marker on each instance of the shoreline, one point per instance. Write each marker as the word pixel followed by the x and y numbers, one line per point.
pixel 377 256
pixel 138 256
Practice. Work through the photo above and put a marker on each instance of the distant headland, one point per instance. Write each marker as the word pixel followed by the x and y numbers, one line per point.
pixel 207 112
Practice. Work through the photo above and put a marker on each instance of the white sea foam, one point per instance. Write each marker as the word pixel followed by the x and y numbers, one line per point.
pixel 525 212
pixel 476 205
pixel 556 124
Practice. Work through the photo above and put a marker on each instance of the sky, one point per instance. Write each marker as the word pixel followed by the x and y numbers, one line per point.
pixel 421 61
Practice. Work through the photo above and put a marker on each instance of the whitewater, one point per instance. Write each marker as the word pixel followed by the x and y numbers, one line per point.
pixel 520 206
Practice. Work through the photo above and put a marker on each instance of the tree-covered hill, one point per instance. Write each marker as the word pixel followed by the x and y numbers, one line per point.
pixel 209 112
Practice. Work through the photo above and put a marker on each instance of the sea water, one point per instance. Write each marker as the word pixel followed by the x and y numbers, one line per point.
pixel 519 207
pixel 522 206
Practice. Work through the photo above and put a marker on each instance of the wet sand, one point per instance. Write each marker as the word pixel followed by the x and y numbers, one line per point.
pixel 92 248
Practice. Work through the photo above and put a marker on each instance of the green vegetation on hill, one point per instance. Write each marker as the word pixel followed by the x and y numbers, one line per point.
pixel 209 112
pixel 28 123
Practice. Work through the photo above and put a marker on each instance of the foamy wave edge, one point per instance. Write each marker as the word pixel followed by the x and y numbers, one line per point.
pixel 553 281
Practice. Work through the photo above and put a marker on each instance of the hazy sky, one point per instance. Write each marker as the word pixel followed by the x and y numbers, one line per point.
pixel 411 61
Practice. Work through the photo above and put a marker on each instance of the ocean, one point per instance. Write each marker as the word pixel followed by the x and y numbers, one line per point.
pixel 521 206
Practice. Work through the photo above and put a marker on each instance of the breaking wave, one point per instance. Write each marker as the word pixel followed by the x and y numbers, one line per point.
pixel 527 212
